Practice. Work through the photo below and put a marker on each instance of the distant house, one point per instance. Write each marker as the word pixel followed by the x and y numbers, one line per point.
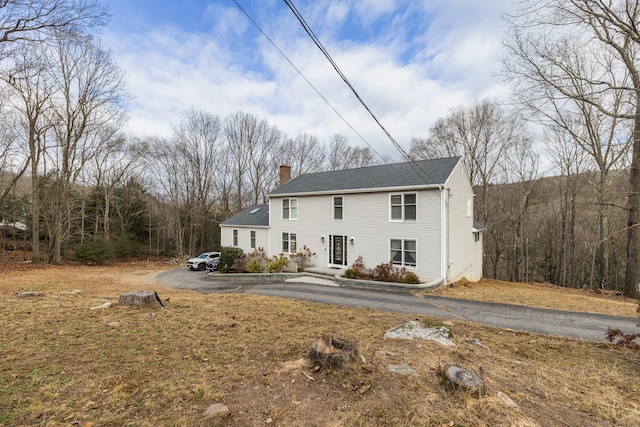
pixel 417 215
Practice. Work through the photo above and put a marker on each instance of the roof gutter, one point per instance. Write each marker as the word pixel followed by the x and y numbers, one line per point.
pixel 357 191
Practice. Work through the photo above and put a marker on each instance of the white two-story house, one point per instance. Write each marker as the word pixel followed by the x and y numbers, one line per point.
pixel 417 215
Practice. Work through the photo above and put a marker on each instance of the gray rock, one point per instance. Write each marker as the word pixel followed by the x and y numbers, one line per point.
pixel 71 292
pixel 402 369
pixel 141 298
pixel 29 294
pixel 217 410
pixel 418 330
pixel 474 341
pixel 507 400
pixel 99 307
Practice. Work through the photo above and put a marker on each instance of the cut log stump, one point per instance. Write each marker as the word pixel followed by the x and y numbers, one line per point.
pixel 454 377
pixel 333 352
pixel 141 298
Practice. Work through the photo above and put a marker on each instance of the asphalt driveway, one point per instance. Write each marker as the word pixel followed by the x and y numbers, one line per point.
pixel 584 326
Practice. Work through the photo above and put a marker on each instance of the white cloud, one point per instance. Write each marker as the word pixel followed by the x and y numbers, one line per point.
pixel 408 79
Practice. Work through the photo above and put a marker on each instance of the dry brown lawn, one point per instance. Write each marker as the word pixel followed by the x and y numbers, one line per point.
pixel 63 364
pixel 543 296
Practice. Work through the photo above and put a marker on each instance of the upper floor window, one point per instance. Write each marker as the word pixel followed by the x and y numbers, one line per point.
pixel 337 208
pixel 403 207
pixel 289 208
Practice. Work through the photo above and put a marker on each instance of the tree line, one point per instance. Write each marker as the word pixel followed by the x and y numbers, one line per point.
pixel 572 66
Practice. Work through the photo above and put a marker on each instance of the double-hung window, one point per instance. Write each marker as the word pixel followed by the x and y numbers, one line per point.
pixel 252 239
pixel 235 237
pixel 403 207
pixel 403 252
pixel 289 208
pixel 289 244
pixel 337 208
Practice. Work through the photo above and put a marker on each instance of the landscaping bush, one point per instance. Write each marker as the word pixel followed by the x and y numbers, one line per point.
pixel 385 272
pixel 411 278
pixel 358 270
pixel 96 251
pixel 228 257
pixel 254 266
pixel 278 264
pixel 351 274
pixel 303 257
pixel 256 261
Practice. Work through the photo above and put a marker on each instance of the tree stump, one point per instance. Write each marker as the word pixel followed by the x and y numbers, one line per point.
pixel 332 352
pixel 141 298
pixel 456 378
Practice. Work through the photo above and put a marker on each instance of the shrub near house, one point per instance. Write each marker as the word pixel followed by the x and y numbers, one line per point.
pixel 385 272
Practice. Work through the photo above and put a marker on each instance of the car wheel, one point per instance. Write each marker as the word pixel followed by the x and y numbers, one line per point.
pixel 201 266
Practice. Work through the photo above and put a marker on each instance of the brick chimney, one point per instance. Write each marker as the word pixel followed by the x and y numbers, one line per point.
pixel 285 173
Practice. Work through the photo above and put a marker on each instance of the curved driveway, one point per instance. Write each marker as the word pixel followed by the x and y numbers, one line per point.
pixel 590 327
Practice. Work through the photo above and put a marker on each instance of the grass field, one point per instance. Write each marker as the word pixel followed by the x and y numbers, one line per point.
pixel 63 364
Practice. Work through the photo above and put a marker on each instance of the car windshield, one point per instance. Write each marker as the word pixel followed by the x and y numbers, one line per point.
pixel 203 256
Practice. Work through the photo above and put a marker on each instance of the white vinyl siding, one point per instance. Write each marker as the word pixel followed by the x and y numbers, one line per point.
pixel 244 237
pixel 367 221
pixel 464 255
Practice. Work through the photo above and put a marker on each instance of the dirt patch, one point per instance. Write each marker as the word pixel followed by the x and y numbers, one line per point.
pixel 65 364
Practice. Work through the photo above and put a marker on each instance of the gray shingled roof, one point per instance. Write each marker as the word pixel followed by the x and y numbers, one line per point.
pixel 410 174
pixel 253 216
pixel 478 226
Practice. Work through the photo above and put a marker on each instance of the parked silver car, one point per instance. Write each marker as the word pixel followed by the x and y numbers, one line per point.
pixel 200 262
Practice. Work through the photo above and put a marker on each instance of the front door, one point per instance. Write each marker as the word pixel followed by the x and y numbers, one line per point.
pixel 337 250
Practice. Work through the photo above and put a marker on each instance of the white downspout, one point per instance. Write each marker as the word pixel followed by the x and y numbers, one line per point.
pixel 444 224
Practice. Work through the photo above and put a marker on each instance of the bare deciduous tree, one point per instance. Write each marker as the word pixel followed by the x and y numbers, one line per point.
pixel 572 162
pixel 31 91
pixel 32 20
pixel 344 156
pixel 86 111
pixel 252 146
pixel 304 153
pixel 482 134
pixel 197 139
pixel 585 53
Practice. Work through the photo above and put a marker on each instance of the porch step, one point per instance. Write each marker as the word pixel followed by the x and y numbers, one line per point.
pixel 325 271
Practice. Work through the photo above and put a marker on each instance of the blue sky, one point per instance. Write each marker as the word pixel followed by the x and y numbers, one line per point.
pixel 411 62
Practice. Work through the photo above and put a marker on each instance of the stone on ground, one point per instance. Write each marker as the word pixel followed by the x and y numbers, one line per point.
pixel 141 298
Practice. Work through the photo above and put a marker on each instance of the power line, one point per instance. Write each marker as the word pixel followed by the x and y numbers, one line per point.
pixel 305 79
pixel 342 76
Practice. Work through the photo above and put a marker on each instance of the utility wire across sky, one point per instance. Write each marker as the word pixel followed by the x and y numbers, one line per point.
pixel 317 42
pixel 305 79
